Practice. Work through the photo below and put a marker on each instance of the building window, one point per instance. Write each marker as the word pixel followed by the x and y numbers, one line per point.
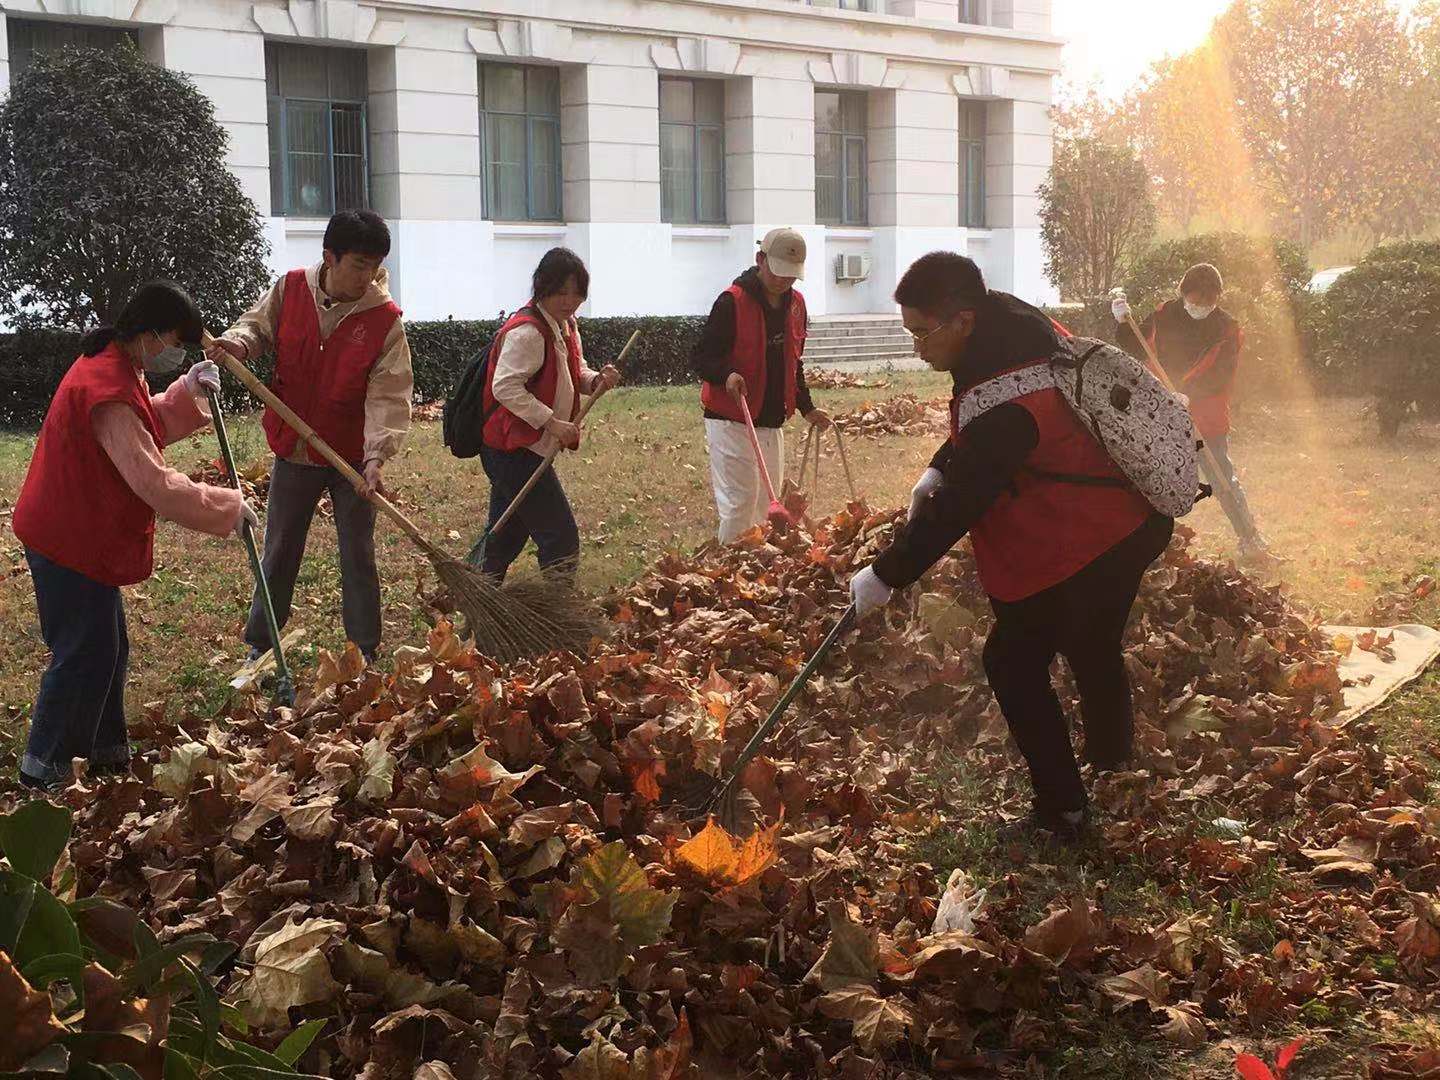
pixel 31 36
pixel 318 141
pixel 840 158
pixel 520 142
pixel 972 164
pixel 692 151
pixel 972 11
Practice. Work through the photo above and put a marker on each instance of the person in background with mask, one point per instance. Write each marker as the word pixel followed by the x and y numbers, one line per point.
pixel 343 364
pixel 86 515
pixel 752 347
pixel 531 401
pixel 1198 344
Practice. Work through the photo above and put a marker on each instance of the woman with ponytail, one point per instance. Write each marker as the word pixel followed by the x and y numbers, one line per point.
pixel 86 515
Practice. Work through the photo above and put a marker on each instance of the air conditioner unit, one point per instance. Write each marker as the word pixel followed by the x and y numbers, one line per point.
pixel 852 267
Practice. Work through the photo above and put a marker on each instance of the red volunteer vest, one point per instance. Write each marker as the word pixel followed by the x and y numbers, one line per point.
pixel 748 356
pixel 75 508
pixel 324 381
pixel 1042 530
pixel 506 431
pixel 1211 413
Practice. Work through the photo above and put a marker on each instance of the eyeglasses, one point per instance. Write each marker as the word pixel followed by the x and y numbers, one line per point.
pixel 920 339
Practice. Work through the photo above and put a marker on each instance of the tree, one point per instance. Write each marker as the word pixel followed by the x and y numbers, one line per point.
pixel 1095 214
pixel 1313 82
pixel 1187 133
pixel 112 172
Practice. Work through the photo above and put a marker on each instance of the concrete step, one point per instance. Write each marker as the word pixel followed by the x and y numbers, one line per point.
pixel 848 330
pixel 857 349
pixel 892 342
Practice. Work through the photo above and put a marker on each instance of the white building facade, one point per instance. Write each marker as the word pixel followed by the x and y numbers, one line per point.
pixel 657 138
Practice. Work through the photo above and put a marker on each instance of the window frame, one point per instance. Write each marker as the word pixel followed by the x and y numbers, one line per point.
pixel 333 105
pixel 979 15
pixel 26 26
pixel 696 217
pixel 972 163
pixel 849 216
pixel 531 120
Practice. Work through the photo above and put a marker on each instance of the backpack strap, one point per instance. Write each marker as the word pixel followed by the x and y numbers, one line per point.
pixel 985 396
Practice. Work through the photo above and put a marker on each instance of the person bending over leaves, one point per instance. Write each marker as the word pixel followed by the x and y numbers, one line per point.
pixel 1060 558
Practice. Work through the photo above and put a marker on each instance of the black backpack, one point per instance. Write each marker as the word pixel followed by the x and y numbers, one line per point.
pixel 462 423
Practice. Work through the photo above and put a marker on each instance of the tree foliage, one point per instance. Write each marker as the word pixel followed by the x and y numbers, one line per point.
pixel 1298 116
pixel 112 172
pixel 1095 214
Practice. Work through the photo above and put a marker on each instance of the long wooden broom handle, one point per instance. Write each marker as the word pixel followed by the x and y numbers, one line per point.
pixel 549 459
pixel 319 445
pixel 1206 454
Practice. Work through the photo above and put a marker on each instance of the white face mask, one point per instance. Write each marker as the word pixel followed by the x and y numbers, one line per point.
pixel 1196 311
pixel 168 359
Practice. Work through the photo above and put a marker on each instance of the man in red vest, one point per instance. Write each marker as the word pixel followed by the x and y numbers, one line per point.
pixel 343 364
pixel 1060 558
pixel 1198 344
pixel 752 348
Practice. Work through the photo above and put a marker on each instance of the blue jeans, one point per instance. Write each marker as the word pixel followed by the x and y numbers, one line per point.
pixel 1232 501
pixel 80 710
pixel 544 516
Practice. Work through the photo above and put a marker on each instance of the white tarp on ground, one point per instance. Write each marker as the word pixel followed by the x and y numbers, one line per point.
pixel 1373 678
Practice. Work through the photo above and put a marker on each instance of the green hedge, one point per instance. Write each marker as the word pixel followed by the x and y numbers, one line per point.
pixel 1379 333
pixel 32 364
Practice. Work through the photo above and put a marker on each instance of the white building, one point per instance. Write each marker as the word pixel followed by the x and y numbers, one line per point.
pixel 658 138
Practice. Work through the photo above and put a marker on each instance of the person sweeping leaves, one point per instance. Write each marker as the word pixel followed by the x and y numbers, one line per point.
pixel 1198 343
pixel 342 363
pixel 1061 540
pixel 751 351
pixel 532 402
pixel 86 516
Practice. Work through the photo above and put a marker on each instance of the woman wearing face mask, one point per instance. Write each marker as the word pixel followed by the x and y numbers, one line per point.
pixel 86 515
pixel 532 397
pixel 1198 344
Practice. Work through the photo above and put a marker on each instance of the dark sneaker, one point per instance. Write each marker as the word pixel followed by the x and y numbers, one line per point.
pixel 50 787
pixel 1067 825
pixel 255 653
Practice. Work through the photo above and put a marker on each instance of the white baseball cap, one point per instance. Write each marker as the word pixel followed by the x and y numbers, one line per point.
pixel 784 251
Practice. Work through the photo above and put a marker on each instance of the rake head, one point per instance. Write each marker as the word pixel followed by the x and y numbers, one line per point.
pixel 529 616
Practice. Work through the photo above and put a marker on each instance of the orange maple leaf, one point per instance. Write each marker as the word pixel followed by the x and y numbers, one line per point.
pixel 712 852
pixel 645 778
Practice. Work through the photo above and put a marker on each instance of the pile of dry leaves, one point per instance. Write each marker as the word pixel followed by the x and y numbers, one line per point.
pixel 478 872
pixel 904 414
pixel 254 478
pixel 826 378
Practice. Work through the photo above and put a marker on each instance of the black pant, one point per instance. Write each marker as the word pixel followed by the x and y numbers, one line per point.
pixel 295 491
pixel 1083 619
pixel 545 515
pixel 80 710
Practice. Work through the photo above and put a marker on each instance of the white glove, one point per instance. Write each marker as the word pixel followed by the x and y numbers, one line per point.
pixel 203 375
pixel 930 481
pixel 247 513
pixel 868 592
pixel 1120 308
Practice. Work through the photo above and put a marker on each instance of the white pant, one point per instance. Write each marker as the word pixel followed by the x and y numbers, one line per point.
pixel 740 495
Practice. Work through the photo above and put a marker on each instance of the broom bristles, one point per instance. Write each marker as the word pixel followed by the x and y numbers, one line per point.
pixel 522 618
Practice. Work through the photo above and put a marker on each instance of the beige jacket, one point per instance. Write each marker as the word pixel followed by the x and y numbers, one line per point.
pixel 522 354
pixel 392 382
